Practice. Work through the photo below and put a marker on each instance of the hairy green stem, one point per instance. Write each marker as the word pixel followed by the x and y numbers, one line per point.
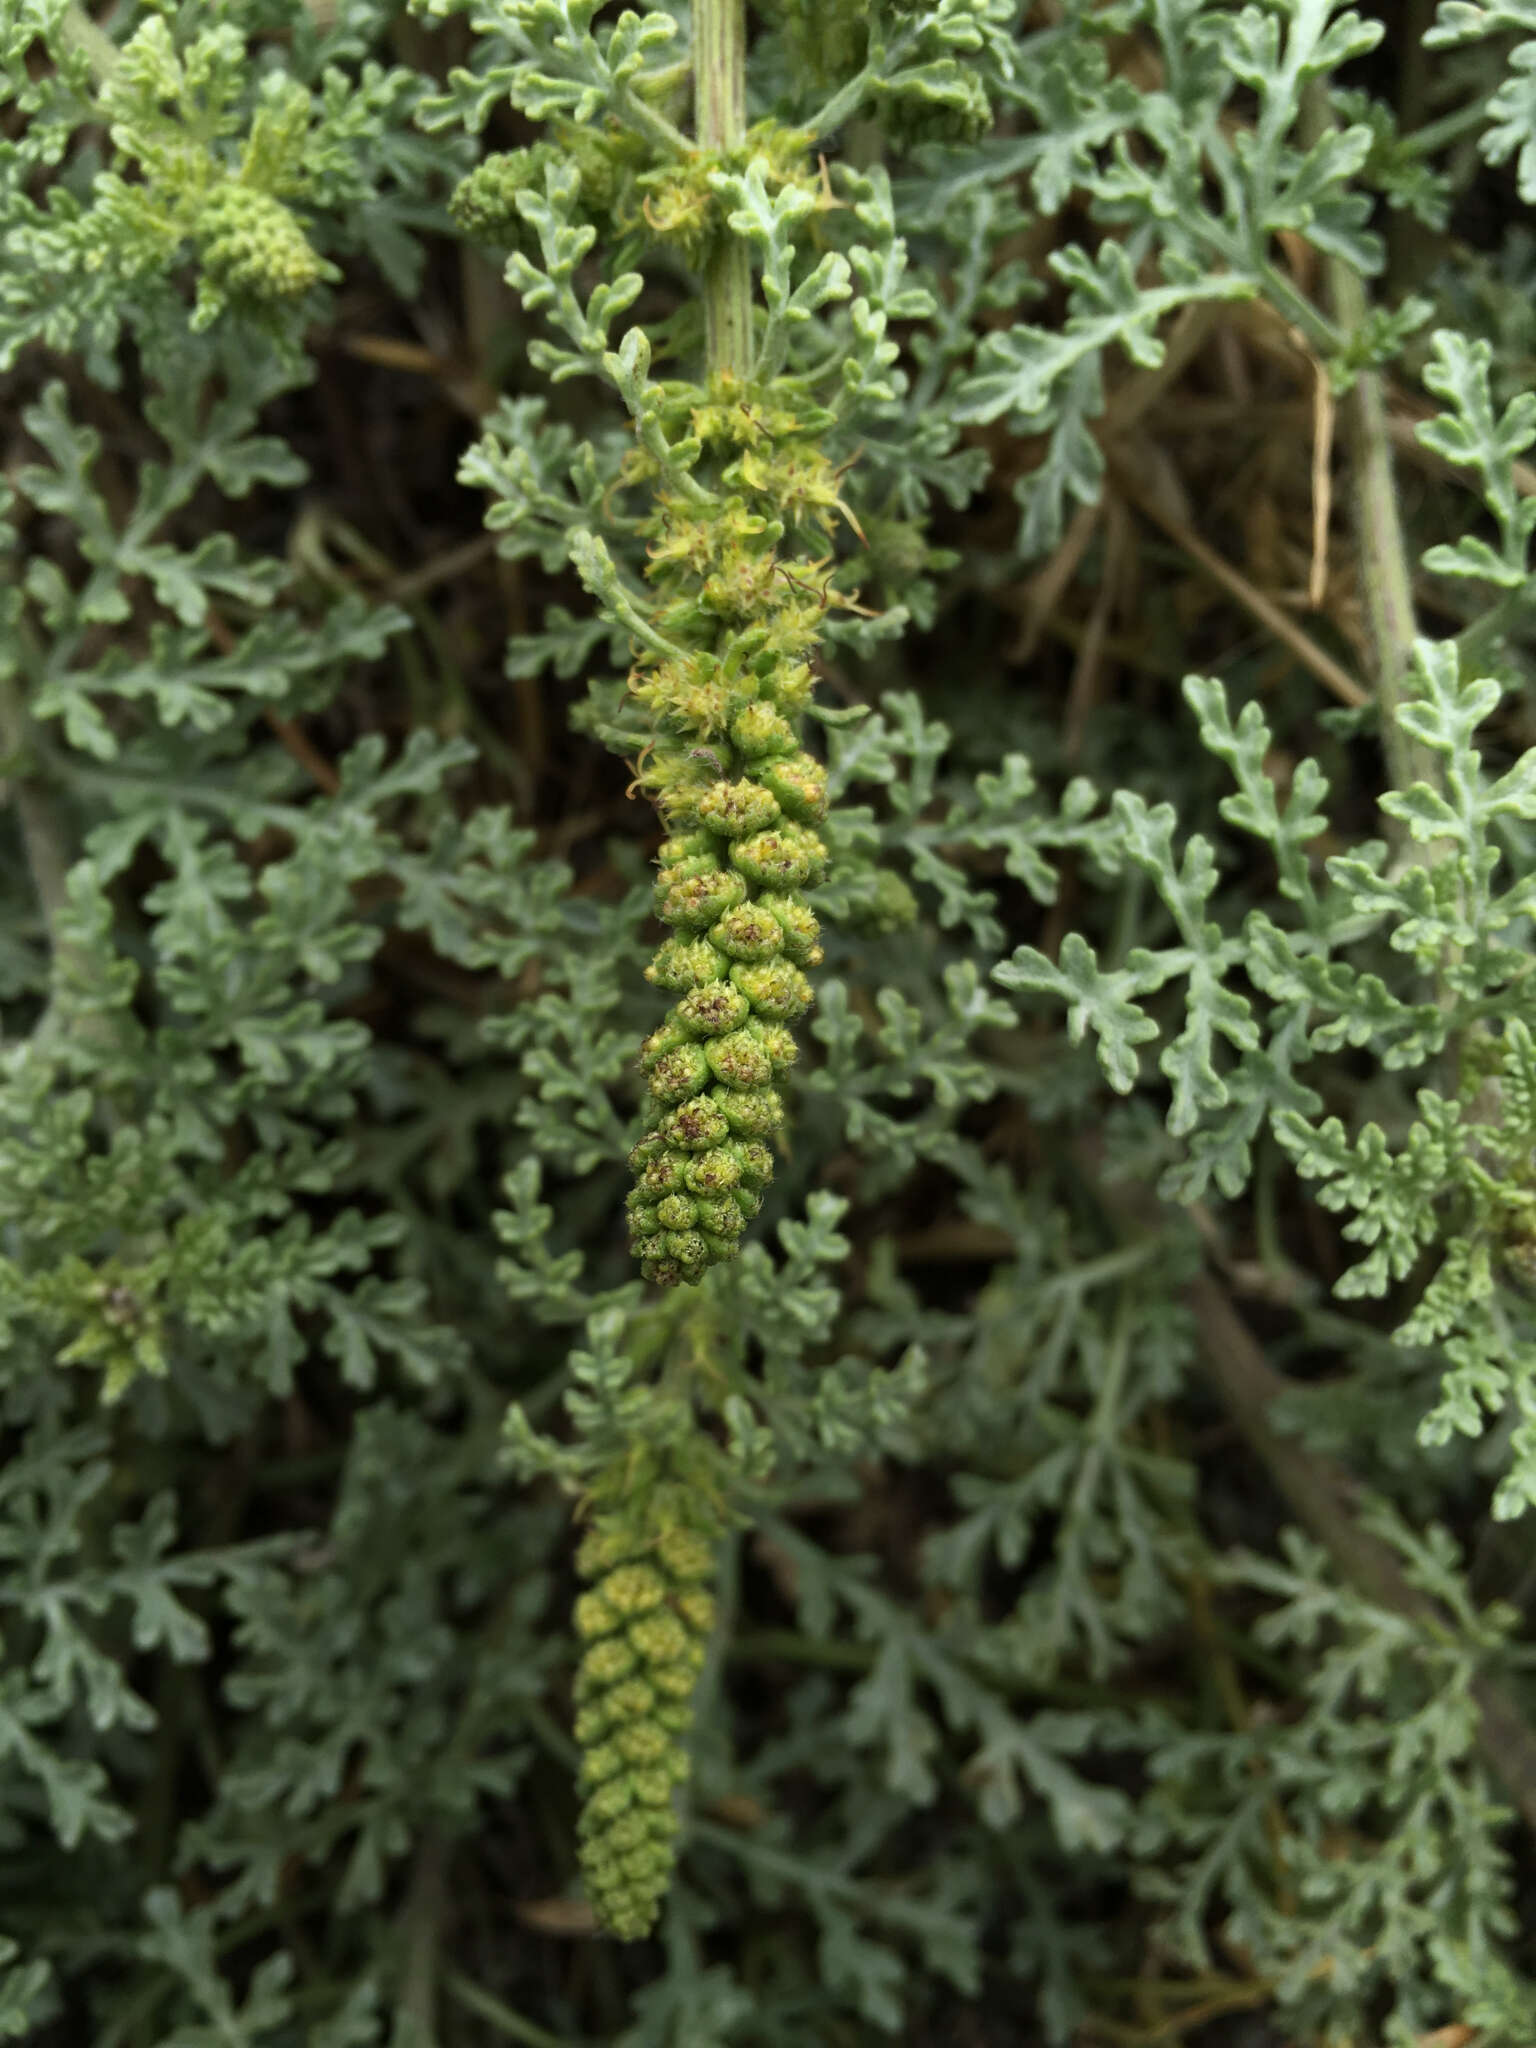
pixel 1437 135
pixel 89 36
pixel 639 114
pixel 421 1943
pixel 720 113
pixel 1385 574
pixel 1386 571
pixel 1412 250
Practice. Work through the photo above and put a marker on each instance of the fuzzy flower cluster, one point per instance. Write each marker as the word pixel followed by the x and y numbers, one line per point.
pixel 674 203
pixel 644 1624
pixel 741 799
pixel 255 246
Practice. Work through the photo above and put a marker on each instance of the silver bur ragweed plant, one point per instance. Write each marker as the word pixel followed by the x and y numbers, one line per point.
pixel 735 484
pixel 767 1097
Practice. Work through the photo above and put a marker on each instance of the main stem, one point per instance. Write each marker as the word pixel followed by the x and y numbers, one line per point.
pixel 720 117
pixel 43 838
pixel 1386 568
pixel 1385 572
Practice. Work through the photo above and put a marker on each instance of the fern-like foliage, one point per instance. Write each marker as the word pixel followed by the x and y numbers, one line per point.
pixel 442 483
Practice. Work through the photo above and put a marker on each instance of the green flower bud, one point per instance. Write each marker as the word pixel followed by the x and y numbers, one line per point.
pixel 643 1742
pixel 740 1059
pixel 601 1764
pixel 605 1663
pixel 741 588
pixel 750 932
pixel 777 991
pixel 629 1921
pixel 662 1175
pixel 685 964
pixel 698 901
pixel 735 809
pixel 694 1127
pixel 255 247
pixel 756 1163
pixel 607 1801
pixel 687 846
pixel 719 1221
pixel 737 792
pixel 667 1038
pixel 750 1112
pixel 697 860
pixel 648 1239
pixel 594 1617
pixel 633 1589
pixel 759 730
pixel 663 1639
pixel 791 687
pixel 689 1250
pixel 606 1545
pixel 679 1074
pixel 631 1700
pixel 654 1787
pixel 634 1694
pixel 714 1010
pixel 697 1608
pixel 713 1173
pixel 779 1044
pixel 798 928
pixel 684 1554
pixel 634 1830
pixel 800 786
pixel 485 203
pixel 675 1680
pixel 786 857
pixel 592 1724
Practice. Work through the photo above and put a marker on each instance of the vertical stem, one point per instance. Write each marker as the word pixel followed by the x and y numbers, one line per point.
pixel 1386 573
pixel 420 1936
pixel 1412 251
pixel 720 104
pixel 43 838
pixel 87 35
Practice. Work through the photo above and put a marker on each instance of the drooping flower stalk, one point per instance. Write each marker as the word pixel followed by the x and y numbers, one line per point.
pixel 644 1625
pixel 741 799
pixel 738 793
pixel 741 487
pixel 738 498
